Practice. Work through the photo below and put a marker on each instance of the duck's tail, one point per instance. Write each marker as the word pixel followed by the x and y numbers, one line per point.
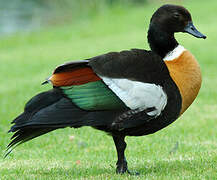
pixel 46 112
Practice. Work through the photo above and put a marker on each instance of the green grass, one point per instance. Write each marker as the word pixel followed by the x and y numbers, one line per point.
pixel 26 59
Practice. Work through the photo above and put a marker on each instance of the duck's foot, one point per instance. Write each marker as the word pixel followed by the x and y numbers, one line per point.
pixel 124 169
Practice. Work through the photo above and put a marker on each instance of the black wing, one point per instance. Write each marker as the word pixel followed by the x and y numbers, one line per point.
pixel 136 64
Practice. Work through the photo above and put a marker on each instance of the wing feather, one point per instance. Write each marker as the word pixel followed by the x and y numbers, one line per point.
pixel 83 81
pixel 77 76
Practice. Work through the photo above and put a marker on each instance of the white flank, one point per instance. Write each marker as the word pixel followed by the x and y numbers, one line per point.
pixel 138 95
pixel 175 53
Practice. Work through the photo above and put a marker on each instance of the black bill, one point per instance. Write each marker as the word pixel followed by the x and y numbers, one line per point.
pixel 193 31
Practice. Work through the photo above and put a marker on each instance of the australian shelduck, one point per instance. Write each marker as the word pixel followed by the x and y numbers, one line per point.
pixel 129 93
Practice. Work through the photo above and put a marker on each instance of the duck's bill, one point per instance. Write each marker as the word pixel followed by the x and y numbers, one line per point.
pixel 193 31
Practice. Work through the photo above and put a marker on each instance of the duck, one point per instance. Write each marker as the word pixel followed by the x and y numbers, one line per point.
pixel 134 92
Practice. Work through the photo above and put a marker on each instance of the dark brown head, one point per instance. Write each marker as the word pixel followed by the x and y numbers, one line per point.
pixel 173 18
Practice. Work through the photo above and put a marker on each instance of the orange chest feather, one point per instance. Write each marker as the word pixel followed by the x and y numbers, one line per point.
pixel 185 72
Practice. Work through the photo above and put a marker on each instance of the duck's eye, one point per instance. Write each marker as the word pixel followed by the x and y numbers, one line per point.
pixel 176 15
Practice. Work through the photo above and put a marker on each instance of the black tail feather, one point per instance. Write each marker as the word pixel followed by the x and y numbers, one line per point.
pixel 29 124
pixel 37 103
pixel 23 135
pixel 49 111
pixel 27 134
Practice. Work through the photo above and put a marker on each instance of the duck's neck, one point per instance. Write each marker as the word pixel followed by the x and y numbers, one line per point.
pixel 161 42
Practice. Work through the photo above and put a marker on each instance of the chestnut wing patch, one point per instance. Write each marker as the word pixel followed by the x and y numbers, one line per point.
pixel 84 87
pixel 77 76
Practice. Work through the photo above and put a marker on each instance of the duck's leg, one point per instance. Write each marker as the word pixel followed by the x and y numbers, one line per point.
pixel 120 145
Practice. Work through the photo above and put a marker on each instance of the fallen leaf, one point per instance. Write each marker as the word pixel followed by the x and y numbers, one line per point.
pixel 78 162
pixel 71 138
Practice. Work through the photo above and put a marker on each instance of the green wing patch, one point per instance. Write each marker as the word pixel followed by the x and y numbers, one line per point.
pixel 93 96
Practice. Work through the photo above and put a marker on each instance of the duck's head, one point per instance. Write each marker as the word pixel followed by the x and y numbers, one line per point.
pixel 172 18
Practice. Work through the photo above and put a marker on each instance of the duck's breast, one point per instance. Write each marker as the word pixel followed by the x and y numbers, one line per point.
pixel 185 72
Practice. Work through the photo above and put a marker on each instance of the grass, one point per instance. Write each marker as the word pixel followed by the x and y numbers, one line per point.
pixel 26 59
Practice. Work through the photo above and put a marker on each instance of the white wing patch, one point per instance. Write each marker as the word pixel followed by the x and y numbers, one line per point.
pixel 175 53
pixel 138 95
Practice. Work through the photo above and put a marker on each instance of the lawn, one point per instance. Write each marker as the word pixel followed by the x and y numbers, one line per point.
pixel 27 59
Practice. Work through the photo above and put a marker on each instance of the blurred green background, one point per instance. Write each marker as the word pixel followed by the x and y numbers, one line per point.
pixel 38 35
pixel 27 15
